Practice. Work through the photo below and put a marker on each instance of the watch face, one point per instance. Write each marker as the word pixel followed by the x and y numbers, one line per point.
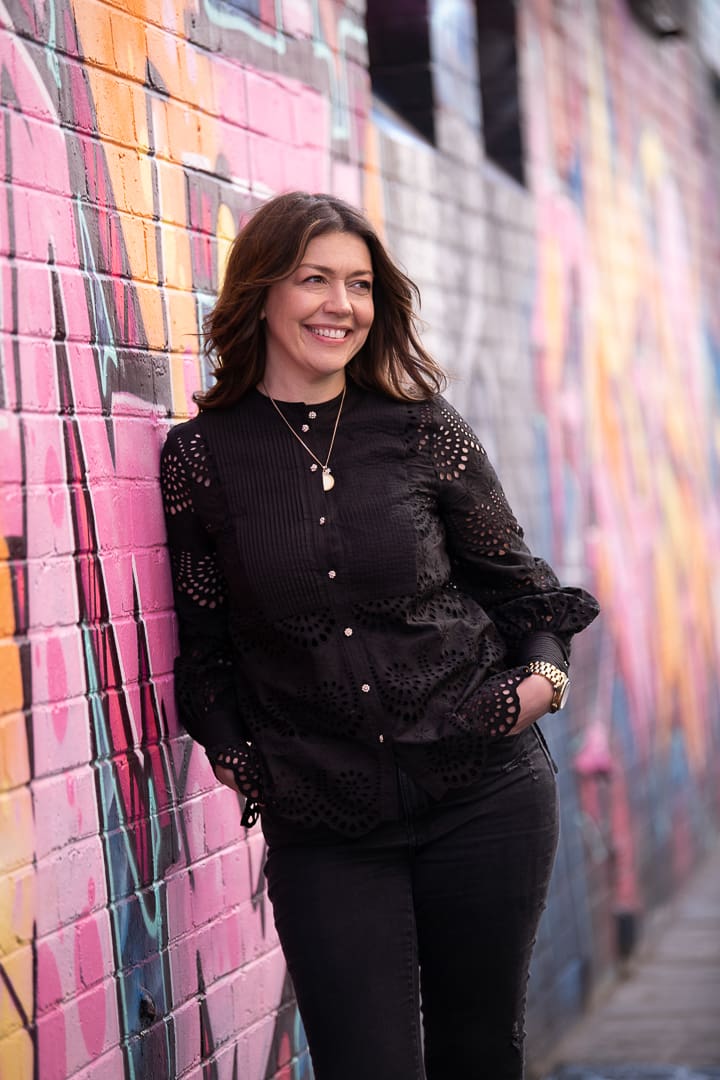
pixel 563 696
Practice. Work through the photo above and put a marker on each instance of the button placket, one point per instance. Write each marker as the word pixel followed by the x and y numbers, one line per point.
pixel 356 658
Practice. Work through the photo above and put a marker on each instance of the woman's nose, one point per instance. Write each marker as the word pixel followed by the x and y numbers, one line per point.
pixel 338 299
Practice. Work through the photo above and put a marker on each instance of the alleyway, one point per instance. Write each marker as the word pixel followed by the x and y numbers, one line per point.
pixel 662 1022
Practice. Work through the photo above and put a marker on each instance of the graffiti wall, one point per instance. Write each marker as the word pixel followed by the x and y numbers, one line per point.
pixel 623 140
pixel 577 317
pixel 132 147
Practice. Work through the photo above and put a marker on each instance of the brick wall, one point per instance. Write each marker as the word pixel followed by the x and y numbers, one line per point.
pixel 578 316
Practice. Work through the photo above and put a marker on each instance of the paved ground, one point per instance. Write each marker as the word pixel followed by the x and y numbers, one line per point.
pixel 662 1021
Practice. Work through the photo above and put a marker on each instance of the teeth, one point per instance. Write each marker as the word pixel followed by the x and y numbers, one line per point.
pixel 328 333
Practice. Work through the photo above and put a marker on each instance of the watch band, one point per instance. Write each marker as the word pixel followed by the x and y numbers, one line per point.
pixel 559 680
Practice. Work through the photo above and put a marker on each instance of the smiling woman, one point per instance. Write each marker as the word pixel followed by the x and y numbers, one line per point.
pixel 365 658
pixel 317 319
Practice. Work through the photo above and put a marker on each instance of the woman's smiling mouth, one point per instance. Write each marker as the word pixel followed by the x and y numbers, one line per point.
pixel 330 333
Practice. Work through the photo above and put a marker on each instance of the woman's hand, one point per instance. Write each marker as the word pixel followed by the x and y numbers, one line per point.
pixel 227 776
pixel 535 694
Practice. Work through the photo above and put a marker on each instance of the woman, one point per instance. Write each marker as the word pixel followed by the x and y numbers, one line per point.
pixel 366 644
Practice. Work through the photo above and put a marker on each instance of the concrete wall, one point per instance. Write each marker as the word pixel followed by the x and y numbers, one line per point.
pixel 579 317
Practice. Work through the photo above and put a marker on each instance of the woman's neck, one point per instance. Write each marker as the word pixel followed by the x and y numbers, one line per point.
pixel 311 392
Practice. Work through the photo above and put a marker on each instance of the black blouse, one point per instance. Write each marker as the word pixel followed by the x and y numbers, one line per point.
pixel 327 638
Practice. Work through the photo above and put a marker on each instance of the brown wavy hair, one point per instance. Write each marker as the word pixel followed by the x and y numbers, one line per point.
pixel 268 248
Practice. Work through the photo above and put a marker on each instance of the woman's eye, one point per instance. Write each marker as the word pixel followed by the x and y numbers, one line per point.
pixel 313 279
pixel 362 286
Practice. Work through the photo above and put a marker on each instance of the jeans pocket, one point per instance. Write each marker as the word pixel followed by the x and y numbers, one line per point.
pixel 545 748
pixel 505 754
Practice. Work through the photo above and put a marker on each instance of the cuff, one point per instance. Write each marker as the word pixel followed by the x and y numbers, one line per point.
pixel 545 646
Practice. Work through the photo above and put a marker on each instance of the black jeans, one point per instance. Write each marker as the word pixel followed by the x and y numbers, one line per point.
pixel 441 906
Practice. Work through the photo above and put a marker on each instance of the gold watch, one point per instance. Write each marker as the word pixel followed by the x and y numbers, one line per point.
pixel 560 681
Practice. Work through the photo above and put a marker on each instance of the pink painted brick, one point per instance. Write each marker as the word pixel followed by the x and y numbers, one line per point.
pixel 43 219
pixel 108 1067
pixel 194 830
pixel 61 736
pixel 267 173
pixel 306 169
pixel 207 890
pixel 199 776
pixel 183 958
pixel 258 1040
pixel 226 944
pixel 16 58
pixel 43 441
pixel 71 1036
pixel 88 364
pixel 347 182
pixel 10 448
pixel 269 107
pixel 37 154
pixel 152 571
pixel 237 879
pixel 33 317
pixel 50 525
pixel 12 514
pixel 70 881
pixel 38 364
pixel 222 820
pixel 57 665
pixel 229 91
pixel 260 989
pixel 136 447
pixel 51 602
pixel 235 150
pixel 311 119
pixel 179 890
pixel 148 522
pixel 65 810
pixel 186 1025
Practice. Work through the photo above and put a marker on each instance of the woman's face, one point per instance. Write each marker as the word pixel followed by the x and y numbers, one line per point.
pixel 319 317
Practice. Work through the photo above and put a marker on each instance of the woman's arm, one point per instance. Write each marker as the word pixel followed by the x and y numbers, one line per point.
pixel 205 689
pixel 534 614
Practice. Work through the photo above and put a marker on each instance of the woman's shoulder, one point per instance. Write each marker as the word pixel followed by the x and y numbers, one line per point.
pixel 180 435
pixel 205 422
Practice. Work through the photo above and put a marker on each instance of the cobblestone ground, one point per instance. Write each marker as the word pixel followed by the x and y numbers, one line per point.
pixel 662 1020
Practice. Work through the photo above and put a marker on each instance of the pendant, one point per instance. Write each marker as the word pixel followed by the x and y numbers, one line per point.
pixel 328 480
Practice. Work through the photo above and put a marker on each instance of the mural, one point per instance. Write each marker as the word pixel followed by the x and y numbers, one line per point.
pixel 625 339
pixel 135 937
pixel 131 153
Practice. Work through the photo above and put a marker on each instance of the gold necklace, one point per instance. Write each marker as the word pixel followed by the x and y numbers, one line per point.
pixel 328 480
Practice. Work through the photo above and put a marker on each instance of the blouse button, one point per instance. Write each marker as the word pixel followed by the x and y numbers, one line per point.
pixel 348 631
pixel 305 427
pixel 321 521
pixel 365 688
pixel 381 738
pixel 313 467
pixel 332 574
pixel 312 415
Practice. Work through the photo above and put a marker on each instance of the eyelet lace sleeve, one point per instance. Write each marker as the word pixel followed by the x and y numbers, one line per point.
pixel 205 690
pixel 491 561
